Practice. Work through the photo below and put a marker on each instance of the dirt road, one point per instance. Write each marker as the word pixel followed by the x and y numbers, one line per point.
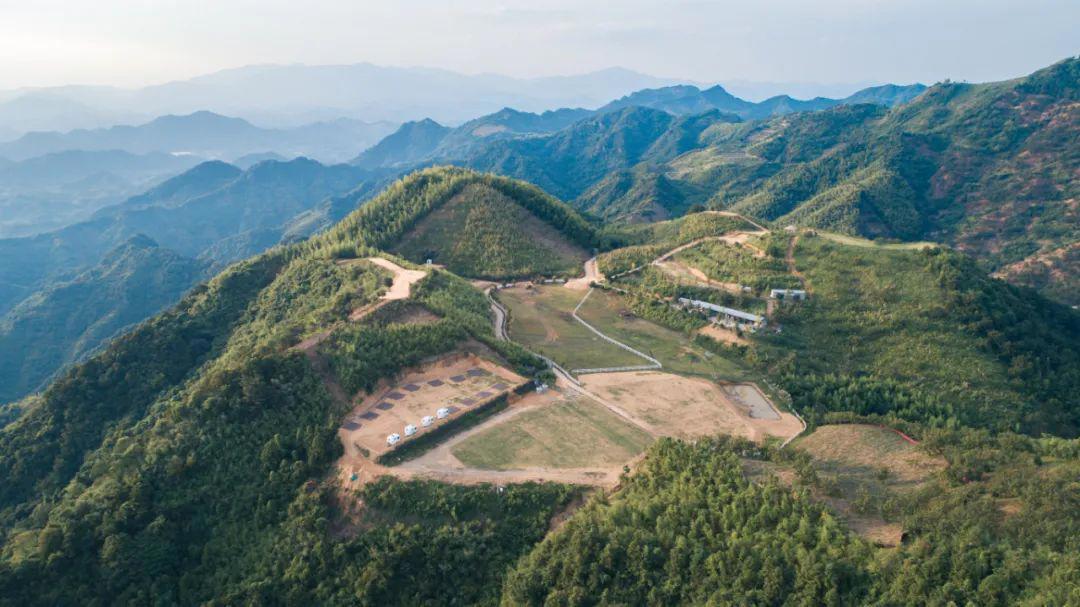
pixel 403 279
pixel 592 274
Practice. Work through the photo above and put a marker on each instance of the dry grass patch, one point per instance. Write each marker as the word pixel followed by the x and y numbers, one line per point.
pixel 685 407
pixel 573 433
pixel 860 453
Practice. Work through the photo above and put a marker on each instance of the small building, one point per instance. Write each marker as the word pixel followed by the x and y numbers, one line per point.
pixel 727 316
pixel 410 430
pixel 442 413
pixel 788 294
pixel 427 421
pixel 393 439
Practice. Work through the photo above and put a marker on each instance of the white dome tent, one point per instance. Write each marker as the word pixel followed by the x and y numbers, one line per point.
pixel 443 412
pixel 427 421
pixel 410 430
pixel 393 439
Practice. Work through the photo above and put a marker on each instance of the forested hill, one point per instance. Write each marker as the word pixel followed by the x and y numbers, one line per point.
pixel 187 214
pixel 176 464
pixel 988 168
pixel 65 293
pixel 69 319
pixel 476 225
pixel 189 461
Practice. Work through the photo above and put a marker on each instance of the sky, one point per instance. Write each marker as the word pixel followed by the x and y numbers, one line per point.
pixel 133 43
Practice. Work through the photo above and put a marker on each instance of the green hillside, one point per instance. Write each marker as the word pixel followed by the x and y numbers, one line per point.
pixel 958 347
pixel 986 168
pixel 191 461
pixel 480 232
pixel 182 463
pixel 476 225
pixel 63 323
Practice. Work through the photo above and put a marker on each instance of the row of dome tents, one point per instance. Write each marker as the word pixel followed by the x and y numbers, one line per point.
pixel 411 429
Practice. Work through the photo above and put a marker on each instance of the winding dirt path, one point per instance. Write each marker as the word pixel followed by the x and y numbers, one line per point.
pixel 592 274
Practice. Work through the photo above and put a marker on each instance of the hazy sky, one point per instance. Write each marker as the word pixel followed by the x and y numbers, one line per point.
pixel 125 42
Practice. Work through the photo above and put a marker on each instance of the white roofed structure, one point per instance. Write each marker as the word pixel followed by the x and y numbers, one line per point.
pixel 753 319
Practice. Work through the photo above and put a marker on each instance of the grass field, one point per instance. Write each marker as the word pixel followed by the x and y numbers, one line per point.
pixel 672 348
pixel 855 241
pixel 574 433
pixel 541 320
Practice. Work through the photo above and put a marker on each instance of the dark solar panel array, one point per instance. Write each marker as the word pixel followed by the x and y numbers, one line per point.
pixel 385 406
pixel 370 415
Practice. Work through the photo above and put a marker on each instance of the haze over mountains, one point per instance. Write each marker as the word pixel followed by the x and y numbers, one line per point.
pixel 292 95
pixel 208 135
pixel 355 335
pixel 852 165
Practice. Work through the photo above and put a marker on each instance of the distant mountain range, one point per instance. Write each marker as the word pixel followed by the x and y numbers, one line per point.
pixel 291 95
pixel 64 293
pixel 426 141
pixel 692 100
pixel 60 188
pixel 208 135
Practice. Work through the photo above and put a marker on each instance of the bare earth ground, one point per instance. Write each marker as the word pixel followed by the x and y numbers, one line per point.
pixel 413 396
pixel 722 335
pixel 686 274
pixel 399 289
pixel 686 407
pixel 592 274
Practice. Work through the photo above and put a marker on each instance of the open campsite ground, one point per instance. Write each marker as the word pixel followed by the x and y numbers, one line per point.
pixel 572 433
pixel 460 383
pixel 608 313
pixel 687 407
pixel 541 319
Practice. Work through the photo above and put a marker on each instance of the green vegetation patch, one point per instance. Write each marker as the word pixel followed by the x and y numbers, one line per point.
pixel 576 433
pixel 738 264
pixel 668 535
pixel 481 232
pixel 958 346
pixel 612 314
pixel 541 319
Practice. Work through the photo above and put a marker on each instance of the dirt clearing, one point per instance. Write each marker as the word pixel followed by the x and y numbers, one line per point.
pixel 458 383
pixel 686 407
